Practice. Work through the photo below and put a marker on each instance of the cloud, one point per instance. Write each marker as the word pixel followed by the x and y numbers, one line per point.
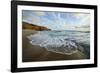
pixel 85 21
pixel 57 20
pixel 39 13
pixel 68 27
pixel 36 20
pixel 80 15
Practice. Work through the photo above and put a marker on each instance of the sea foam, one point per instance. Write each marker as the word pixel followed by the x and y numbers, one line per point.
pixel 57 44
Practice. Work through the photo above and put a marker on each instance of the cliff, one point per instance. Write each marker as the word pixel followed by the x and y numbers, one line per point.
pixel 29 26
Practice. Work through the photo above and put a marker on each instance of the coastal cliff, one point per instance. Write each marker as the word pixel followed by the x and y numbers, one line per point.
pixel 29 26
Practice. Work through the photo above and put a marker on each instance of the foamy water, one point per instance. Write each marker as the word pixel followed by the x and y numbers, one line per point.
pixel 64 42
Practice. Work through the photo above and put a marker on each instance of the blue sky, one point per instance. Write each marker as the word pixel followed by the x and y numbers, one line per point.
pixel 56 20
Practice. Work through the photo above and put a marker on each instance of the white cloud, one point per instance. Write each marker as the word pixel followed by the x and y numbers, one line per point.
pixel 39 13
pixel 80 15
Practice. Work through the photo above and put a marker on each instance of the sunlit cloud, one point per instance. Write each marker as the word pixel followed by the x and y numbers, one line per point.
pixel 39 13
pixel 78 15
pixel 58 20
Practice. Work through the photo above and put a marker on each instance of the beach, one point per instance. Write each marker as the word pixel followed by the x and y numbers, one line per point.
pixel 32 53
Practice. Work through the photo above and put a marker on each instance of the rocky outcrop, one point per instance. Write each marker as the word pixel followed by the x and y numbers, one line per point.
pixel 29 26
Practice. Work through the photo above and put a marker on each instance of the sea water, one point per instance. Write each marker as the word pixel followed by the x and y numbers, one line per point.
pixel 64 41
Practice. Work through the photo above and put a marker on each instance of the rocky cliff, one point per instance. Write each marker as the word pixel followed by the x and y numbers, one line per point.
pixel 29 26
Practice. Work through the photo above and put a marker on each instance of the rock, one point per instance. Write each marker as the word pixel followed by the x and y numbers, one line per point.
pixel 26 25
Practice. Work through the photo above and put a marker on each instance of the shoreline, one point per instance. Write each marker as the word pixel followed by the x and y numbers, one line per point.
pixel 33 53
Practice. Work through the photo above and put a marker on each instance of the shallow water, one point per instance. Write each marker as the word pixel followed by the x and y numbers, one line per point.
pixel 64 41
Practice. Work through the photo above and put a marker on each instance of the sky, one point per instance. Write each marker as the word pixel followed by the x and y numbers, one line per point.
pixel 57 20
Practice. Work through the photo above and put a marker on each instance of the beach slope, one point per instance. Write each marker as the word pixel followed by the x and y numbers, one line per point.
pixel 31 53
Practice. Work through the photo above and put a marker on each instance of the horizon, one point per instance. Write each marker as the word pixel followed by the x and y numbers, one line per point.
pixel 57 20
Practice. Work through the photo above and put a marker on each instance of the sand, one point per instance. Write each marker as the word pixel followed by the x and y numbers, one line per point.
pixel 32 53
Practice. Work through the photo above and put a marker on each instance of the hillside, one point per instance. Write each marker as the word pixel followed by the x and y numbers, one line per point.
pixel 29 26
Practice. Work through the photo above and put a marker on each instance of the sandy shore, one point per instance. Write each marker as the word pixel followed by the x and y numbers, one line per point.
pixel 36 53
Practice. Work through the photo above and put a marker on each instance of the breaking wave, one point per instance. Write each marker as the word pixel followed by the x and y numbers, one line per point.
pixel 63 42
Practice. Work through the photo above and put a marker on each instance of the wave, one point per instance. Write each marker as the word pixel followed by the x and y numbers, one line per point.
pixel 57 43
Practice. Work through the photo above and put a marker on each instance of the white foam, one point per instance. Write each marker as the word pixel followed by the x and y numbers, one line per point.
pixel 54 44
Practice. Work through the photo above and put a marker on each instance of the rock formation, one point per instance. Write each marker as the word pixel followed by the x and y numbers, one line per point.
pixel 29 26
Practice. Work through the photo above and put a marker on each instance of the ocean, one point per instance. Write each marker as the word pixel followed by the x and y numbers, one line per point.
pixel 62 41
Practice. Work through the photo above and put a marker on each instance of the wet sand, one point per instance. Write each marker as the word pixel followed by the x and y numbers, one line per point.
pixel 32 53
